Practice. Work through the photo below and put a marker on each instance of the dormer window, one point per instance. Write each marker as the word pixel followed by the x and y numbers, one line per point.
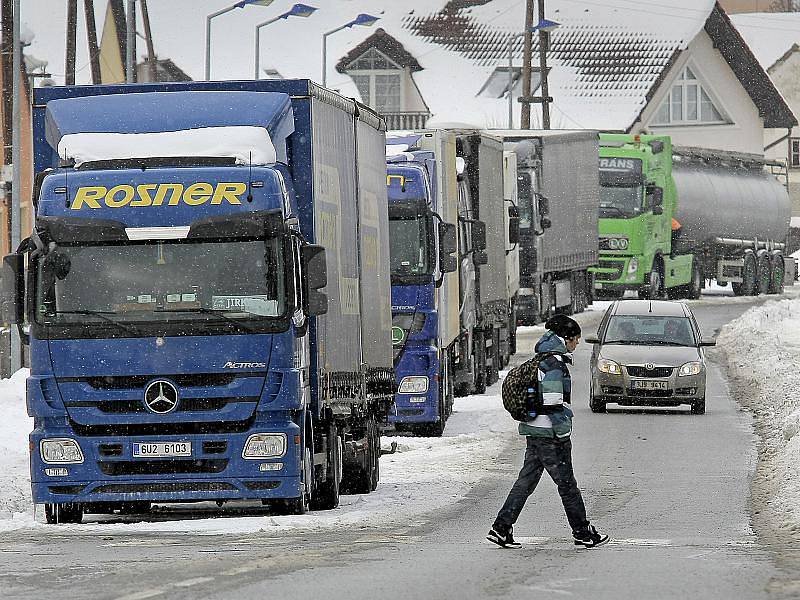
pixel 379 80
pixel 688 103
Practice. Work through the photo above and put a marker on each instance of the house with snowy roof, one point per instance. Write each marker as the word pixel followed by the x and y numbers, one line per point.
pixel 774 39
pixel 676 67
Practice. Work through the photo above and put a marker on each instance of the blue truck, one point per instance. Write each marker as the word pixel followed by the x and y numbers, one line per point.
pixel 428 342
pixel 206 296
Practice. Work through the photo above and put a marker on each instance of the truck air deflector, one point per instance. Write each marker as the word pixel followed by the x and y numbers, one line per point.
pixel 153 112
pixel 241 225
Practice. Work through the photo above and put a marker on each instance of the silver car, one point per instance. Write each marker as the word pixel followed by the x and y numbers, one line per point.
pixel 648 352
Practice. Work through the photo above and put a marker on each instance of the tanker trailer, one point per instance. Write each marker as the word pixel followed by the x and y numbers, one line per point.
pixel 734 217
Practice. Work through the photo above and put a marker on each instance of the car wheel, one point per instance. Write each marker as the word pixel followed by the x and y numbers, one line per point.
pixel 597 405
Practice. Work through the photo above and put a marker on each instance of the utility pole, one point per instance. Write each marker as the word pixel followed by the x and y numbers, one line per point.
pixel 72 26
pixel 16 345
pixel 130 50
pixel 544 42
pixel 525 117
pixel 91 34
pixel 148 38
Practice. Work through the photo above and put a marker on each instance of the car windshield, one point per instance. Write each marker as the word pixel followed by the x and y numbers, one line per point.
pixel 620 202
pixel 122 285
pixel 649 330
pixel 409 246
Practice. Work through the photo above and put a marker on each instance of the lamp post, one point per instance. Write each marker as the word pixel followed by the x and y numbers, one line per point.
pixel 298 10
pixel 544 27
pixel 363 19
pixel 241 4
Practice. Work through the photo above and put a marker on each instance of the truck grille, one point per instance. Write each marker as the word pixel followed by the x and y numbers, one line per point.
pixel 121 407
pixel 132 382
pixel 162 467
pixel 161 428
pixel 617 265
pixel 641 371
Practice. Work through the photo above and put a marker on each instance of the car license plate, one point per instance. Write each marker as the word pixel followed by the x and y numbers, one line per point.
pixel 649 384
pixel 150 449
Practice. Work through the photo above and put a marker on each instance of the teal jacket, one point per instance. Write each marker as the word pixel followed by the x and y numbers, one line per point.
pixel 555 385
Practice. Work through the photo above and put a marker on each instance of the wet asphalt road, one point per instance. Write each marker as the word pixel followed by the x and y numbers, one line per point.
pixel 671 488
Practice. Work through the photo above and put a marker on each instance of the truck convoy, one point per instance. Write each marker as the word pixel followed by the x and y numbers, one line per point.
pixel 557 189
pixel 453 322
pixel 187 240
pixel 672 218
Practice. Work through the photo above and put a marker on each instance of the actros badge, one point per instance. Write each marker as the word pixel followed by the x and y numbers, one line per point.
pixel 161 397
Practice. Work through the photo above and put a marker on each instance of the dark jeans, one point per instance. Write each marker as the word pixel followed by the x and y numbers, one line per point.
pixel 556 457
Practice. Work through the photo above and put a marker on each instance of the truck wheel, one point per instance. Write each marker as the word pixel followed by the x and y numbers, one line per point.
pixel 764 275
pixel 137 507
pixel 512 332
pixel 300 505
pixel 479 362
pixel 326 496
pixel 67 512
pixel 778 274
pixel 376 456
pixel 696 285
pixel 655 283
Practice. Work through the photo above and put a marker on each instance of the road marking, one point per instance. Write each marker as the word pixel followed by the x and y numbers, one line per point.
pixel 191 582
pixel 640 542
pixel 142 595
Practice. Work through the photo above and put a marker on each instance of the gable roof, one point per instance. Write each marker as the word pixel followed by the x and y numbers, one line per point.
pixel 770 36
pixel 387 45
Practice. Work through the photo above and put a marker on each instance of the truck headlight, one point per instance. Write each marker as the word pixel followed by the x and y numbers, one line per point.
pixel 633 265
pixel 416 384
pixel 690 368
pixel 60 451
pixel 265 445
pixel 609 366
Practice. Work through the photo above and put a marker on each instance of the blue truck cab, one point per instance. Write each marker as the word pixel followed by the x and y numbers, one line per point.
pixel 424 288
pixel 207 295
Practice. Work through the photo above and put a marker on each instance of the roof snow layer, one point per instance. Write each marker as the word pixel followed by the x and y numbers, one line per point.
pixel 769 35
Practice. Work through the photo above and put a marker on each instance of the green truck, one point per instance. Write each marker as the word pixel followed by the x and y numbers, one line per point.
pixel 673 218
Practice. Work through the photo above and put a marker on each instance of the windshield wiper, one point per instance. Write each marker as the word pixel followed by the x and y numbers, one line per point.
pixel 103 314
pixel 667 343
pixel 207 311
pixel 625 342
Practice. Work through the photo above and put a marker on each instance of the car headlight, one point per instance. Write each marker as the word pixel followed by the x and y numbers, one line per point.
pixel 633 265
pixel 60 451
pixel 265 445
pixel 416 384
pixel 609 366
pixel 690 368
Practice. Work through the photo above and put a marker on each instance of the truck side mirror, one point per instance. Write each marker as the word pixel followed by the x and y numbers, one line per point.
pixel 315 269
pixel 655 199
pixel 448 245
pixel 13 289
pixel 513 225
pixel 546 223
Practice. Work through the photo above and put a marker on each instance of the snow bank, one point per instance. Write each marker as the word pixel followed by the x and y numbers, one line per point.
pixel 423 475
pixel 15 424
pixel 763 354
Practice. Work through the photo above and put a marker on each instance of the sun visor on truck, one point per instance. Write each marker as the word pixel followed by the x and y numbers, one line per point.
pixel 251 127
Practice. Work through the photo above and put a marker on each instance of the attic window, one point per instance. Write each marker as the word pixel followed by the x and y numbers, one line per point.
pixel 688 104
pixel 497 84
pixel 379 80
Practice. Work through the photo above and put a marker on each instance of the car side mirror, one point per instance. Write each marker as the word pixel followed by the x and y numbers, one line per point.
pixel 592 339
pixel 448 246
pixel 13 289
pixel 315 269
pixel 708 342
pixel 513 225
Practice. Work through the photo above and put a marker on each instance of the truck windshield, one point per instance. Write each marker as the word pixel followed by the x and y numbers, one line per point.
pixel 621 202
pixel 227 283
pixel 409 250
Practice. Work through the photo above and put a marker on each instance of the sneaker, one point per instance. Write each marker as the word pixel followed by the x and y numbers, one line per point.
pixel 504 540
pixel 589 538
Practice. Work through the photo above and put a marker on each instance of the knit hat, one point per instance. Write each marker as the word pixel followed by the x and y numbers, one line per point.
pixel 563 326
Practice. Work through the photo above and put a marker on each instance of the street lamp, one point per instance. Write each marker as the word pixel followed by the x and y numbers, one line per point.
pixel 241 4
pixel 363 19
pixel 298 10
pixel 544 26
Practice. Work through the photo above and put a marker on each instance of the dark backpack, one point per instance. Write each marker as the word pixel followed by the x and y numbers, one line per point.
pixel 521 389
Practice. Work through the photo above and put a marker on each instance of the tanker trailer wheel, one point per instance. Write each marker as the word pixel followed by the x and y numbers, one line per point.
pixel 778 274
pixel 764 275
pixel 748 285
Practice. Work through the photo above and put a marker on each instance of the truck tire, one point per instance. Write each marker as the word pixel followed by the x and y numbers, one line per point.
pixel 695 288
pixel 67 512
pixel 326 496
pixel 748 284
pixel 300 505
pixel 479 362
pixel 136 507
pixel 763 274
pixel 363 478
pixel 512 332
pixel 778 274
pixel 654 290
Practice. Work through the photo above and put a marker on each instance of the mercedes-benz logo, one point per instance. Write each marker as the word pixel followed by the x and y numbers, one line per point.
pixel 161 397
pixel 649 366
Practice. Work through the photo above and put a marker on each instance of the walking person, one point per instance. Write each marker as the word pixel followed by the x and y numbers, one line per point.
pixel 548 441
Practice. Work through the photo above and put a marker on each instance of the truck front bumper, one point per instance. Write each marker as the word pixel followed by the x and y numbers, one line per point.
pixel 213 470
pixel 614 273
pixel 422 407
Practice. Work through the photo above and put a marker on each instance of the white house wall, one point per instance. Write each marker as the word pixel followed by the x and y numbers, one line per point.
pixel 786 77
pixel 744 133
